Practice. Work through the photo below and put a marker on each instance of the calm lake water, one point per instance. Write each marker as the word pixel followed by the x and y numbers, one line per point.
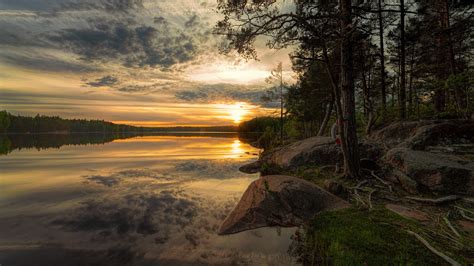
pixel 144 200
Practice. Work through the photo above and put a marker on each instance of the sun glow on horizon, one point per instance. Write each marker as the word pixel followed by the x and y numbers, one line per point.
pixel 237 111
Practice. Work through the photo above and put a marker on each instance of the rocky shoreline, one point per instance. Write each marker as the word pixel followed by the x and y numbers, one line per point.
pixel 422 171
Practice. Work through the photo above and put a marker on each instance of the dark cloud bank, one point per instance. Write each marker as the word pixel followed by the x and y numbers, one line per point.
pixel 104 81
pixel 116 32
pixel 132 45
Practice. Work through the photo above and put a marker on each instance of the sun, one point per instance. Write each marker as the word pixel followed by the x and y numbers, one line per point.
pixel 237 111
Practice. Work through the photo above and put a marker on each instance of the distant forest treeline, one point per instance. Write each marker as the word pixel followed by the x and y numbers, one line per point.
pixel 48 124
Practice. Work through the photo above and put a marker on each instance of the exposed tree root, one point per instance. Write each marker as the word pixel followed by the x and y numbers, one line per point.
pixel 463 214
pixel 446 220
pixel 437 201
pixel 468 200
pixel 370 198
pixel 360 184
pixel 432 249
pixel 379 179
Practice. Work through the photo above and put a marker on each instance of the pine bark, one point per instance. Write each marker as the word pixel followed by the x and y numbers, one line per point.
pixel 382 59
pixel 402 93
pixel 347 123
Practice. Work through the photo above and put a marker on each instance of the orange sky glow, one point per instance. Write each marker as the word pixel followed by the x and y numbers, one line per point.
pixel 177 77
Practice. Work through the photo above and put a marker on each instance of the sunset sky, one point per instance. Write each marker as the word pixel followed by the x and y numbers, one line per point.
pixel 140 62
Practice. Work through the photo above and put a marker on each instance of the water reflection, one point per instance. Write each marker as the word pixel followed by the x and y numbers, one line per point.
pixel 141 200
pixel 11 142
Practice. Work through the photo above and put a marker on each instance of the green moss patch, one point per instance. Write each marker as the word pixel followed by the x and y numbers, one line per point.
pixel 361 237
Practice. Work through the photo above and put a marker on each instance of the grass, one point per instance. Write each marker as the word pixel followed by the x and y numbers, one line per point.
pixel 357 236
pixel 361 237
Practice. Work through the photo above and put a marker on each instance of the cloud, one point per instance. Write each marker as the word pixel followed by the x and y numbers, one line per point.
pixel 117 178
pixel 219 169
pixel 104 81
pixel 211 93
pixel 131 45
pixel 51 6
pixel 41 60
pixel 106 5
pixel 145 213
pixel 193 21
pixel 143 44
pixel 29 5
pixel 192 96
pixel 149 88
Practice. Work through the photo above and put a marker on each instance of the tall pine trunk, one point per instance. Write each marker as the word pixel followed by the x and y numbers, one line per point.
pixel 402 93
pixel 347 123
pixel 382 59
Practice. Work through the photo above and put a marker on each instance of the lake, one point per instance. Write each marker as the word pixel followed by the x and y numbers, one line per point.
pixel 139 200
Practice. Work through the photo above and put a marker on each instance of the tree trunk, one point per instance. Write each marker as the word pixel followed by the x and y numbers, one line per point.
pixel 410 82
pixel 459 95
pixel 327 116
pixel 382 59
pixel 440 92
pixel 281 103
pixel 347 123
pixel 368 104
pixel 402 93
pixel 452 59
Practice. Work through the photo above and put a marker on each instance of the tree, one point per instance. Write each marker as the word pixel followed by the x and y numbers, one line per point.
pixel 402 92
pixel 4 121
pixel 277 77
pixel 327 24
pixel 346 120
pixel 382 56
pixel 311 100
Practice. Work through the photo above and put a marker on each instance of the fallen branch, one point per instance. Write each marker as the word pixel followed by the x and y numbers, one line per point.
pixel 436 201
pixel 432 249
pixel 446 220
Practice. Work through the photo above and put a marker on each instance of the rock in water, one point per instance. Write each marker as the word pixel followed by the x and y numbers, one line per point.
pixel 279 201
pixel 251 168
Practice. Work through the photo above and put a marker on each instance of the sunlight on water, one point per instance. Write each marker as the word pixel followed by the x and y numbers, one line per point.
pixel 161 198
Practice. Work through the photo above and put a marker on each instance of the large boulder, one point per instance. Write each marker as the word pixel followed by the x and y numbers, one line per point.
pixel 318 151
pixel 443 133
pixel 396 133
pixel 420 134
pixel 279 201
pixel 431 171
